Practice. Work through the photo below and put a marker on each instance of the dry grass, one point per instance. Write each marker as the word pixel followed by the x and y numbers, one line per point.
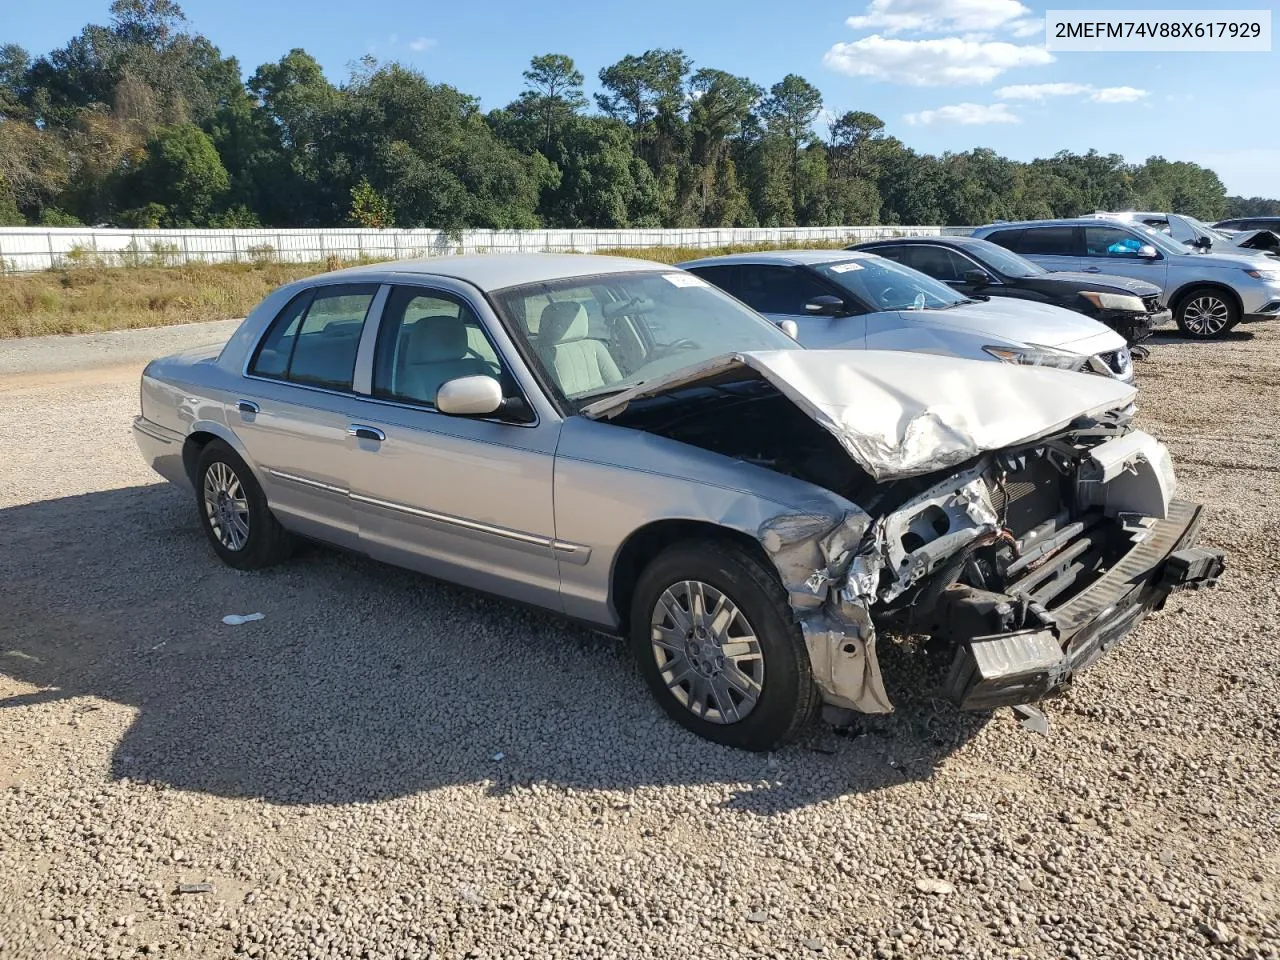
pixel 89 299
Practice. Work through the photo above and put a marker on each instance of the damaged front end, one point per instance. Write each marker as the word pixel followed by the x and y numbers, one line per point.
pixel 1013 517
pixel 1062 547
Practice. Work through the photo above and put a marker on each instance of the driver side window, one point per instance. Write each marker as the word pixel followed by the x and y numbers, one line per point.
pixel 774 289
pixel 426 339
pixel 1111 242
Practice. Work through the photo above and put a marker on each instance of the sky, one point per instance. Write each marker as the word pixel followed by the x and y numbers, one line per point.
pixel 942 74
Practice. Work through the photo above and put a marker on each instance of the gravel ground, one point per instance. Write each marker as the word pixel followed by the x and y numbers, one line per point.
pixel 390 767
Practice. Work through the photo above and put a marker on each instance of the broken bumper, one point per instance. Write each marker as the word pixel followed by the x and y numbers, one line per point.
pixel 1025 666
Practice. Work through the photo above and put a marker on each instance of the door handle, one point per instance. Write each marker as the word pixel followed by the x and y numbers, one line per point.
pixel 1092 269
pixel 362 431
pixel 247 408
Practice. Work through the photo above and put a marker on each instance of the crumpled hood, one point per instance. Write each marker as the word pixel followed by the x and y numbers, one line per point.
pixel 1007 320
pixel 901 414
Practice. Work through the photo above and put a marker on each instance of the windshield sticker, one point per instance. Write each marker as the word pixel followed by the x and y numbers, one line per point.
pixel 845 267
pixel 684 280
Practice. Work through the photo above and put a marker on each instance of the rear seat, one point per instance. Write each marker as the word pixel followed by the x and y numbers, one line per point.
pixel 328 356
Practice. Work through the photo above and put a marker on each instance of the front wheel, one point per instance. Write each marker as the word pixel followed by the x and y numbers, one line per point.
pixel 1206 313
pixel 716 640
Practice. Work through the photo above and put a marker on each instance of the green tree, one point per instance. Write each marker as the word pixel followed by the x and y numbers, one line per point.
pixel 789 112
pixel 554 95
pixel 14 64
pixel 182 173
pixel 370 208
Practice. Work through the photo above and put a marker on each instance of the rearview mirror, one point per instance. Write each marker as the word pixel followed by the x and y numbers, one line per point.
pixel 477 396
pixel 790 328
pixel 977 278
pixel 825 306
pixel 1147 252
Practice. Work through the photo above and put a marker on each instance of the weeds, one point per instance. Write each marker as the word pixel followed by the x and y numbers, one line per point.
pixel 95 291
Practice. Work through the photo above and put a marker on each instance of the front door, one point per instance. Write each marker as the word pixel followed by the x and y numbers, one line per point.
pixel 466 499
pixel 1114 250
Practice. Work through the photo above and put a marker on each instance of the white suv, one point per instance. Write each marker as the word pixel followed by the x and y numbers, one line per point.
pixel 1209 293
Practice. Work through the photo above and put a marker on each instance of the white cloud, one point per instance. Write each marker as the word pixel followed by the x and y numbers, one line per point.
pixel 931 63
pixel 1040 92
pixel 966 114
pixel 422 43
pixel 1026 27
pixel 941 16
pixel 1118 95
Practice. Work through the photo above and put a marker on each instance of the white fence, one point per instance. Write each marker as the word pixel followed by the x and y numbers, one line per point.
pixel 25 249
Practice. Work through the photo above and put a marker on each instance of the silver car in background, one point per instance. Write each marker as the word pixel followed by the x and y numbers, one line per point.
pixel 859 301
pixel 621 443
pixel 1209 293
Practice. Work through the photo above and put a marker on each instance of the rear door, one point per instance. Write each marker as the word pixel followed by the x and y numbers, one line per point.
pixel 1113 249
pixel 298 401
pixel 781 292
pixel 1053 246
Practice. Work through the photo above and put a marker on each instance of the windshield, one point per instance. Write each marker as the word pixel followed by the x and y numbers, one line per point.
pixel 602 334
pixel 1005 261
pixel 886 285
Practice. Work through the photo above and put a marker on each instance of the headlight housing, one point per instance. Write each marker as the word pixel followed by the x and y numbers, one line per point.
pixel 1035 356
pixel 1114 301
pixel 1270 276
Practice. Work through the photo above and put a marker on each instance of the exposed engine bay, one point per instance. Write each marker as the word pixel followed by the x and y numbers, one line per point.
pixel 1012 562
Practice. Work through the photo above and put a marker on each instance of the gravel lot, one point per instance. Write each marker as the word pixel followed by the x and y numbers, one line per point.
pixel 390 767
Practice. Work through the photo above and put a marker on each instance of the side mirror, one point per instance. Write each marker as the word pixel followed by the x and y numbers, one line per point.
pixel 977 278
pixel 1148 252
pixel 477 396
pixel 1204 243
pixel 790 328
pixel 825 306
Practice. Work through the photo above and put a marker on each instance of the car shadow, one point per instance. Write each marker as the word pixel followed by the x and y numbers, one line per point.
pixel 364 682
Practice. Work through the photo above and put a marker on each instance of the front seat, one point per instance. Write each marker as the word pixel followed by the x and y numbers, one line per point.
pixel 435 353
pixel 576 362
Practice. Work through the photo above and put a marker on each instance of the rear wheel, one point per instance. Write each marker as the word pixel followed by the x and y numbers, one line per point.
pixel 716 640
pixel 234 512
pixel 1206 312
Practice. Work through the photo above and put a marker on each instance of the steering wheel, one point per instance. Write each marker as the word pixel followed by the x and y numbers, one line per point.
pixel 682 344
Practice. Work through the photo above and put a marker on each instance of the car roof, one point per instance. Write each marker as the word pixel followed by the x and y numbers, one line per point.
pixel 496 271
pixel 1023 224
pixel 973 242
pixel 786 258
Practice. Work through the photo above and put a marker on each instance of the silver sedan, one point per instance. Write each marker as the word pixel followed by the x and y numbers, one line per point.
pixel 619 442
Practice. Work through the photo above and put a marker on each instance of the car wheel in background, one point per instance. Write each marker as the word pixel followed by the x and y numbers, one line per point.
pixel 234 512
pixel 716 640
pixel 1206 312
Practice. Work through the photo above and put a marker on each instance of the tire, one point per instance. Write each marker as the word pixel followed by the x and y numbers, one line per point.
pixel 234 513
pixel 1206 313
pixel 777 669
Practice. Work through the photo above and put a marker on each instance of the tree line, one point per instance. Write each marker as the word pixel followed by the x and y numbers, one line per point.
pixel 144 123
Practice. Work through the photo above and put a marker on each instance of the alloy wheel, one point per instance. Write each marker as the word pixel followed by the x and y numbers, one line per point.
pixel 226 506
pixel 1204 316
pixel 707 652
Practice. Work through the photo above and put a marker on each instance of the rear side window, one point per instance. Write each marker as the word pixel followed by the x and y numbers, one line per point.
pixel 1047 242
pixel 1009 239
pixel 896 254
pixel 315 338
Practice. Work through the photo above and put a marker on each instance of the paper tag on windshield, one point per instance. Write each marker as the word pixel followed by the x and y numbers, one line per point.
pixel 845 267
pixel 684 280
